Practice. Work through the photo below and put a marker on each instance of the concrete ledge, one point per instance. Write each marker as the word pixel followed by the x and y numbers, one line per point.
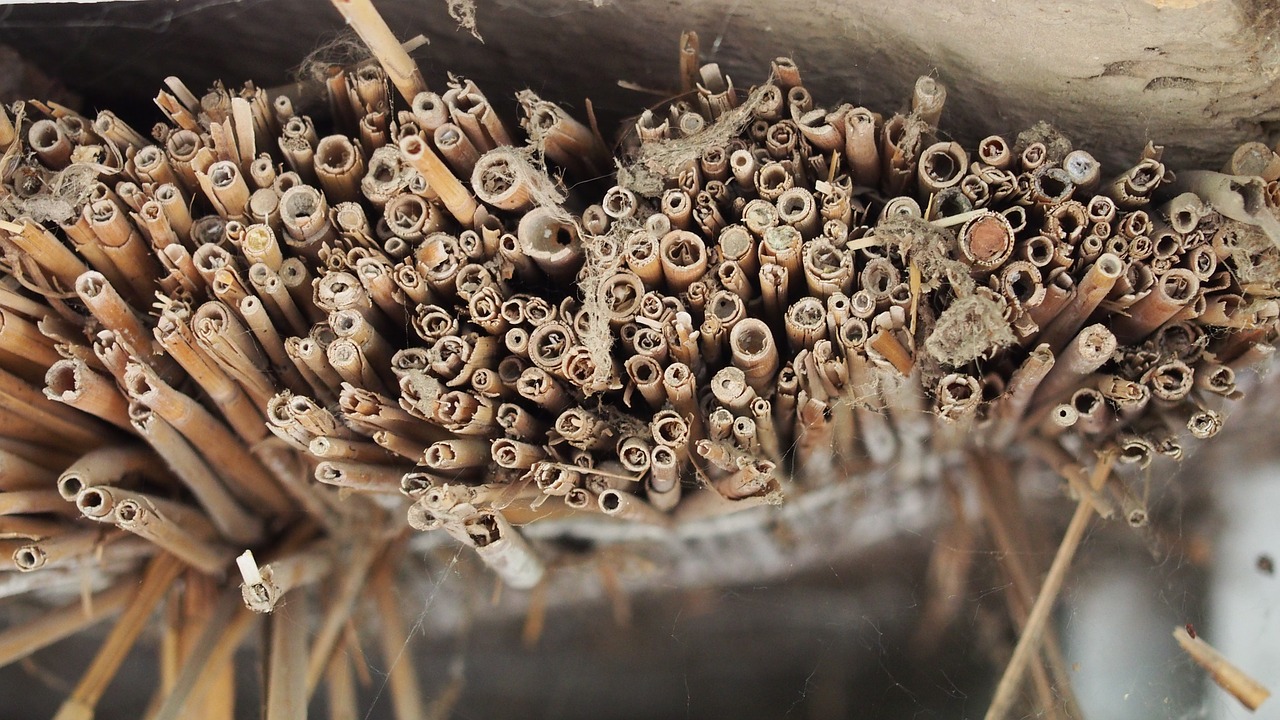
pixel 1199 76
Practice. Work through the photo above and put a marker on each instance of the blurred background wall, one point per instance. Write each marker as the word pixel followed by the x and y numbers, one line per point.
pixel 1197 75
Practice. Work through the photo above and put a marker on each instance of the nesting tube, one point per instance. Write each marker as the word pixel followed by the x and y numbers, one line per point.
pixel 1082 170
pixel 1021 285
pixel 774 289
pixel 662 487
pixel 114 313
pixel 1050 186
pixel 552 243
pixel 1033 157
pixel 636 454
pixel 51 143
pixel 783 245
pixel 927 100
pixel 141 517
pixel 339 166
pixel 566 141
pixel 49 252
pixel 1090 292
pixel 994 151
pixel 457 149
pixel 265 586
pixel 743 166
pixel 986 241
pixel 1134 187
pixel 754 352
pixel 957 397
pixel 619 203
pixel 823 130
pixel 1090 349
pixel 500 183
pixel 645 374
pixel 514 454
pixel 304 212
pixel 797 208
pixel 1170 381
pixel 805 323
pixel 624 505
pixel 124 247
pixel 99 503
pixel 640 252
pixel 1204 423
pixel 621 293
pixel 471 110
pixel 683 256
pixel 504 549
pixel 226 188
pixel 1094 415
pixel 155 224
pixel 60 549
pixel 941 165
pixel 105 466
pixel 1173 291
pixel 754 478
pixel 1254 159
pixel 455 196
pixel 1184 212
pixel 73 382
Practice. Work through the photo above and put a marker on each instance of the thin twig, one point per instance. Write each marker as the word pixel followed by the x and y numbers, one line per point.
pixel 1037 620
pixel 1248 691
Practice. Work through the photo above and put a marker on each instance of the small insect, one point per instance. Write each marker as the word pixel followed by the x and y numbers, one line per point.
pixel 1266 565
pixel 1191 630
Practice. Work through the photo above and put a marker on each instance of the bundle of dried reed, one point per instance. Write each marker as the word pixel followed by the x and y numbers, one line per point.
pixel 258 337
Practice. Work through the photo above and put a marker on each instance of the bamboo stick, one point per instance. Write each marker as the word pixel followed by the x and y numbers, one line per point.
pixel 373 30
pixel 73 383
pixel 406 695
pixel 224 631
pixel 141 517
pixel 241 472
pixel 21 640
pixel 286 681
pixel 1037 619
pixel 160 574
pixel 1248 691
pixel 209 487
pixel 350 582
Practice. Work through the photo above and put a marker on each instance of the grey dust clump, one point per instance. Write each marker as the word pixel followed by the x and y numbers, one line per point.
pixel 656 162
pixel 1056 145
pixel 463 12
pixel 1255 257
pixel 972 327
pixel 526 167
pixel 346 49
pixel 59 198
pixel 595 332
pixel 931 249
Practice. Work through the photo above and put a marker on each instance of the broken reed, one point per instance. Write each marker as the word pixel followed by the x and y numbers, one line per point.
pixel 258 336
